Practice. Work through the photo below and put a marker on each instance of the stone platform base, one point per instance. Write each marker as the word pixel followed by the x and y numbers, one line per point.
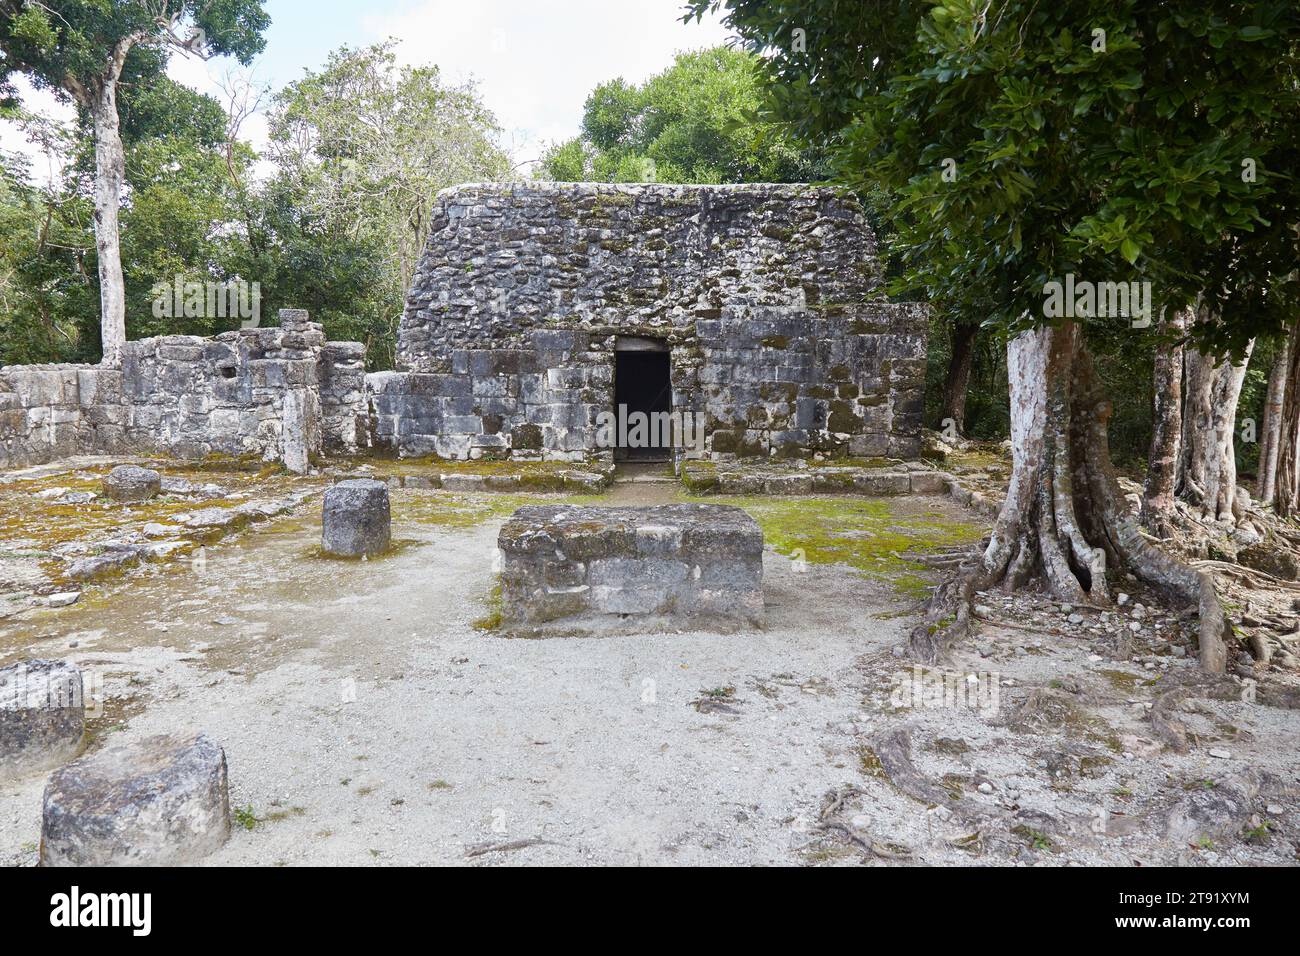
pixel 578 569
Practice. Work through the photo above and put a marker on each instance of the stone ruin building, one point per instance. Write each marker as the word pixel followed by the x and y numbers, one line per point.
pixel 756 307
pixel 535 308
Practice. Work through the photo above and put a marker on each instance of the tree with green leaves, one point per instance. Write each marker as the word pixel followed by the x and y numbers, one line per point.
pixel 182 221
pixel 48 291
pixel 1036 155
pixel 84 50
pixel 692 123
pixel 362 148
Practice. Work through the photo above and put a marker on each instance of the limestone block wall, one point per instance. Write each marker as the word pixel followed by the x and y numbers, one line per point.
pixel 575 566
pixel 278 393
pixel 55 411
pixel 533 401
pixel 341 384
pixel 766 296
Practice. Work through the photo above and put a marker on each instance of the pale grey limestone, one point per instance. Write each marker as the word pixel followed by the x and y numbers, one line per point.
pixel 162 801
pixel 768 298
pixel 356 518
pixel 566 567
pixel 132 483
pixel 42 716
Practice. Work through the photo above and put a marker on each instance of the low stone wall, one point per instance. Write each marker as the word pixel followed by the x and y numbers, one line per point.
pixel 594 478
pixel 825 478
pixel 44 416
pixel 278 393
pixel 533 403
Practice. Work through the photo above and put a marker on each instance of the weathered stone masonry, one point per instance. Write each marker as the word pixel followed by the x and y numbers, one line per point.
pixel 277 393
pixel 767 296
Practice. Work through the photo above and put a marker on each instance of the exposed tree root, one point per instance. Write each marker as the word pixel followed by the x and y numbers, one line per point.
pixel 1063 524
pixel 895 752
pixel 1260 648
pixel 947 617
pixel 1167 727
pixel 482 849
pixel 1257 579
pixel 989 822
pixel 1285 698
pixel 831 820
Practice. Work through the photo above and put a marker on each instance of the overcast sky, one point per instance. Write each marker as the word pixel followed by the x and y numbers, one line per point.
pixel 535 60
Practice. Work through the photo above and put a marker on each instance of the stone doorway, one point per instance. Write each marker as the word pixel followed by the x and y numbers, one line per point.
pixel 643 397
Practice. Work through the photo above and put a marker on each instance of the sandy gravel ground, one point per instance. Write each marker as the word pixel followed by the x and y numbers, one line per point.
pixel 458 737
pixel 366 721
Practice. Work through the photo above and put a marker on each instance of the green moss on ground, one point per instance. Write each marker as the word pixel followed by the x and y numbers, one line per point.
pixel 1126 682
pixel 491 621
pixel 978 456
pixel 27 518
pixel 868 534
pixel 699 477
pixel 452 510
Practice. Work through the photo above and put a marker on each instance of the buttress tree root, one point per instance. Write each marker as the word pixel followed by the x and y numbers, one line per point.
pixel 1064 523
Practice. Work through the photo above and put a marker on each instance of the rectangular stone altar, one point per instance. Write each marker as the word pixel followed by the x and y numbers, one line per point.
pixel 570 568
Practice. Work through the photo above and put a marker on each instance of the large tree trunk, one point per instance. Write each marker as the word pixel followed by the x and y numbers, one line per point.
pixel 1064 522
pixel 1266 484
pixel 1209 473
pixel 1166 432
pixel 956 385
pixel 1287 486
pixel 110 165
pixel 1037 533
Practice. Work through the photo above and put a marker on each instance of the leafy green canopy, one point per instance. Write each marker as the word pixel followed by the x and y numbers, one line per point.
pixel 179 218
pixel 362 148
pixel 66 46
pixel 1118 140
pixel 43 285
pixel 692 123
pixel 358 151
pixel 106 56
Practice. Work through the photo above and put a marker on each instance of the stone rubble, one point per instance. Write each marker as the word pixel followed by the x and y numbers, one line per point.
pixel 42 716
pixel 131 483
pixel 162 801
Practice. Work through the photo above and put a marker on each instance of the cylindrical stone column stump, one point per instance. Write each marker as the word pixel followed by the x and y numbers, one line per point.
pixel 42 716
pixel 163 801
pixel 356 520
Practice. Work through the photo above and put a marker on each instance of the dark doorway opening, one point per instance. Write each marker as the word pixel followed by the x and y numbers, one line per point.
pixel 643 397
